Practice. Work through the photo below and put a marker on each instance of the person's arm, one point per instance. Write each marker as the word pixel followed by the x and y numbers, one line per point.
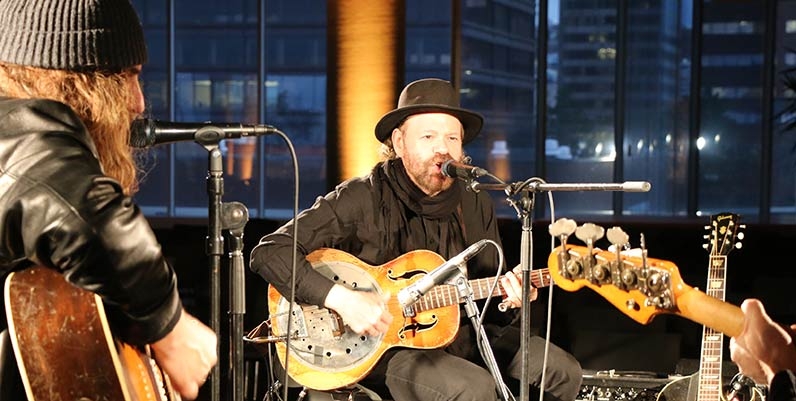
pixel 764 348
pixel 332 220
pixel 74 219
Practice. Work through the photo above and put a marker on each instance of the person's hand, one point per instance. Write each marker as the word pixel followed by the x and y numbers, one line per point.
pixel 363 311
pixel 512 287
pixel 764 347
pixel 186 355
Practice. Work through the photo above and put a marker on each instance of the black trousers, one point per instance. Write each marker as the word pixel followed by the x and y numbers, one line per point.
pixel 458 372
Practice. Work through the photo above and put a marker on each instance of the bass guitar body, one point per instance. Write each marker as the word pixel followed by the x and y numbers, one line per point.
pixel 64 346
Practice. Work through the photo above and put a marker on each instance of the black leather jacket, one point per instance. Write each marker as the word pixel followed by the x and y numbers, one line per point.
pixel 59 210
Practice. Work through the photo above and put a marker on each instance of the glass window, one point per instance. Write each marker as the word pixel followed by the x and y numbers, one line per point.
pixel 221 62
pixel 729 142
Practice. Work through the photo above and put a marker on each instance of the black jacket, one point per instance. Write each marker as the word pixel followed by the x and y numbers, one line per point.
pixel 783 387
pixel 59 210
pixel 353 218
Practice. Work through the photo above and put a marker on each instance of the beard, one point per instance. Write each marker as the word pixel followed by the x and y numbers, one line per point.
pixel 427 176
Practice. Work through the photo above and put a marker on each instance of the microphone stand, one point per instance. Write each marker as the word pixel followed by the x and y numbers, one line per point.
pixel 220 217
pixel 524 207
pixel 235 215
pixel 466 294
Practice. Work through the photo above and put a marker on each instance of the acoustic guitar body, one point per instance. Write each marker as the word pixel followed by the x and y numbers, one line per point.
pixel 64 346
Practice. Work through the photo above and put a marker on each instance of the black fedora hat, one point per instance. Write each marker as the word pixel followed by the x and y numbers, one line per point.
pixel 430 95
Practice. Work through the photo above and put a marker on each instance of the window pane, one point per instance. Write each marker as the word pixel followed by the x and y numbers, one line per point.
pixel 498 73
pixel 730 134
pixel 783 182
pixel 656 112
pixel 580 141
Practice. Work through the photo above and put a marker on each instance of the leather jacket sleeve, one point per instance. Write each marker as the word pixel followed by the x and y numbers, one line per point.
pixel 783 386
pixel 58 209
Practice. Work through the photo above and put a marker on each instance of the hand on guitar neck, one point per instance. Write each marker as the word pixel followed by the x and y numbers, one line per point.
pixel 764 347
pixel 511 283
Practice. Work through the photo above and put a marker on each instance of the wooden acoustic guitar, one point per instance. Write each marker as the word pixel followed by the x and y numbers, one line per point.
pixel 326 355
pixel 707 383
pixel 65 349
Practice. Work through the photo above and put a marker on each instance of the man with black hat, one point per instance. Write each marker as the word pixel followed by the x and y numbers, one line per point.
pixel 68 92
pixel 406 204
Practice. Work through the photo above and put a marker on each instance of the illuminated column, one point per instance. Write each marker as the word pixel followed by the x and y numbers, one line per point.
pixel 365 50
pixel 499 160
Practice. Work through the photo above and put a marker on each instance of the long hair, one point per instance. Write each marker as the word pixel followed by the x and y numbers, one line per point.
pixel 100 99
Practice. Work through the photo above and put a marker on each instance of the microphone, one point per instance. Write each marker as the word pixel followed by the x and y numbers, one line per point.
pixel 454 169
pixel 412 293
pixel 145 132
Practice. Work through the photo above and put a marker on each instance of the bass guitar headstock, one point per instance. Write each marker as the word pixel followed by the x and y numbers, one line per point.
pixel 639 286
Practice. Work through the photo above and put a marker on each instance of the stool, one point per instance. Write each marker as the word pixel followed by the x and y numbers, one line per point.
pixel 355 392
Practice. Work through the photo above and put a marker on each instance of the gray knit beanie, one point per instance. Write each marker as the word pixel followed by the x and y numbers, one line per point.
pixel 74 35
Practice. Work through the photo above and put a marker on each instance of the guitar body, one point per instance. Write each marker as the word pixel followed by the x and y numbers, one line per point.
pixel 682 389
pixel 324 353
pixel 687 389
pixel 64 347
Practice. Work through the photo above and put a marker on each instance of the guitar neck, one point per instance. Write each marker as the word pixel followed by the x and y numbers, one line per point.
pixel 714 313
pixel 710 369
pixel 446 294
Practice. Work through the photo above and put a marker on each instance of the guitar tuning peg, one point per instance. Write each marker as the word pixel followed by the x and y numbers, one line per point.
pixel 561 227
pixel 589 232
pixel 739 236
pixel 738 245
pixel 618 237
pixel 705 246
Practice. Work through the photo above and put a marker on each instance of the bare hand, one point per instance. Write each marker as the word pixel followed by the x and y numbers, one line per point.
pixel 363 311
pixel 764 347
pixel 512 286
pixel 187 354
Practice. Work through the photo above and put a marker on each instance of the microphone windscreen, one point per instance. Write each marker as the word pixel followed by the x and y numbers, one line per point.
pixel 141 133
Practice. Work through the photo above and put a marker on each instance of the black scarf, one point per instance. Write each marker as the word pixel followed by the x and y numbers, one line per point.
pixel 416 220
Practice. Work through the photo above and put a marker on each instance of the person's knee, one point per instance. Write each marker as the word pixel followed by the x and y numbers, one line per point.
pixel 476 388
pixel 565 378
pixel 467 384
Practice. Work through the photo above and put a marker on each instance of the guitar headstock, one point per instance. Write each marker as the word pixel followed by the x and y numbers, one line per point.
pixel 639 286
pixel 724 234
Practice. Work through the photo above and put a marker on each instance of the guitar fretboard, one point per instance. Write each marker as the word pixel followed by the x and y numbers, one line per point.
pixel 710 380
pixel 446 294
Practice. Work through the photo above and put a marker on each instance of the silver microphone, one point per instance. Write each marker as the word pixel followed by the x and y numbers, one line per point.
pixel 412 293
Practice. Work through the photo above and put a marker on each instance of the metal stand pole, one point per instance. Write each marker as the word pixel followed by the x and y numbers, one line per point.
pixel 215 247
pixel 235 217
pixel 526 205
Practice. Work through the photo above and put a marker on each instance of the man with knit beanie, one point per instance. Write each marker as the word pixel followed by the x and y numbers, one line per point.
pixel 68 92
